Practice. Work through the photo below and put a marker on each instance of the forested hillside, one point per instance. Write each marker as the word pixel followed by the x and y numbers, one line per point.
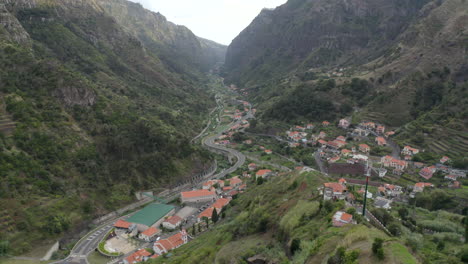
pixel 92 111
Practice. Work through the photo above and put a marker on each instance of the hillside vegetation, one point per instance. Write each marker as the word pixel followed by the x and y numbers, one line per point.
pixel 91 112
pixel 284 220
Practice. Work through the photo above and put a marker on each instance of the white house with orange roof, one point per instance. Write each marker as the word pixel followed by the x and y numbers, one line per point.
pixel 381 141
pixel 263 173
pixel 252 166
pixel 444 159
pixel 427 172
pixel 149 234
pixel 341 138
pixel 325 123
pixel 341 218
pixel 165 245
pixel 364 148
pixel 368 125
pixel 346 152
pixel 172 222
pixel 310 126
pixel 322 135
pixel 380 129
pixel 122 224
pixel 407 150
pixel 343 123
pixel 198 196
pixel 235 181
pixel 419 187
pixel 334 190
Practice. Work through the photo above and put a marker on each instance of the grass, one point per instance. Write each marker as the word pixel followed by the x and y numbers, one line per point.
pixel 400 254
pixel 96 258
pixel 16 261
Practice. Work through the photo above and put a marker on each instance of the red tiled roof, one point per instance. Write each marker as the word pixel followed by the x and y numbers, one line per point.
pixel 235 181
pixel 262 172
pixel 176 240
pixel 150 231
pixel 346 217
pixel 335 186
pixel 138 256
pixel 220 203
pixel 423 184
pixel 208 212
pixel 122 224
pixel 174 220
pixel 381 140
pixel 342 180
pixel 364 146
pixel 196 193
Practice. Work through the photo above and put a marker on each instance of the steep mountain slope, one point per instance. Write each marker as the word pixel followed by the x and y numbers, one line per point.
pixel 392 61
pixel 97 113
pixel 175 45
pixel 311 33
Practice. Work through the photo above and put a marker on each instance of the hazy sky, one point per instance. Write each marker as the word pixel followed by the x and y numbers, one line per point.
pixel 218 20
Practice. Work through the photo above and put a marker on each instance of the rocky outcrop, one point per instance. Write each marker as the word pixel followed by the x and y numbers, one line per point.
pixel 11 28
pixel 176 44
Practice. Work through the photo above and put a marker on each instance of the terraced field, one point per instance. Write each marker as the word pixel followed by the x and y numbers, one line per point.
pixel 453 143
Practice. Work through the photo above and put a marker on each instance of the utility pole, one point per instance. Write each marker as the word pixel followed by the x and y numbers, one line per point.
pixel 368 170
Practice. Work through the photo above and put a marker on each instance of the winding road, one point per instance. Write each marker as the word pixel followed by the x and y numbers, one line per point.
pixel 209 143
pixel 87 244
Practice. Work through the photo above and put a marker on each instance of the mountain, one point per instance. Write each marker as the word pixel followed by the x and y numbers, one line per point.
pixel 92 110
pixel 399 62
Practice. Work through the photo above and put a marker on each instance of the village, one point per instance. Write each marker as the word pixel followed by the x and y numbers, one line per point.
pixel 352 154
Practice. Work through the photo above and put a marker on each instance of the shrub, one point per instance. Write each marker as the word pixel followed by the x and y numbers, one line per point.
pixel 295 245
pixel 377 248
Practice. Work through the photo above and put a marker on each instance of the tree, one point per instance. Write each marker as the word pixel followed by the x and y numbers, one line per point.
pixel 295 245
pixel 351 211
pixel 403 212
pixel 207 221
pixel 260 180
pixel 194 232
pixel 4 248
pixel 214 215
pixel 377 248
pixel 394 229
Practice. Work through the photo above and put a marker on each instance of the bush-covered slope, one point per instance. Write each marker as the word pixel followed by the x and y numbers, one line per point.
pixel 97 115
pixel 284 220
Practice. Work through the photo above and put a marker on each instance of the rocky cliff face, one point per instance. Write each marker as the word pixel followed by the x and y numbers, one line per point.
pixel 317 33
pixel 10 28
pixel 175 44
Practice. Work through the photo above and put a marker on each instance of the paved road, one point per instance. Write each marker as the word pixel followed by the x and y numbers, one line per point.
pixel 319 162
pixel 209 142
pixel 86 245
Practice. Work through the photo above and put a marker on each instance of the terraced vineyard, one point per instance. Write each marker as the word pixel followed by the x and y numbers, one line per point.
pixel 454 143
pixel 441 140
